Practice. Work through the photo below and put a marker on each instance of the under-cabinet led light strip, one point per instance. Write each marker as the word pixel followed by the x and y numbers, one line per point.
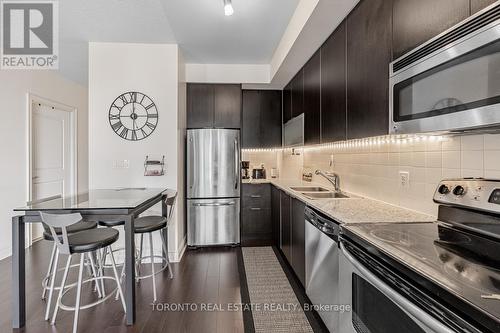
pixel 357 143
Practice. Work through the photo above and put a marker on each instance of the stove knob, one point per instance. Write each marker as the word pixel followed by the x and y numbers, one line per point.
pixel 443 189
pixel 459 190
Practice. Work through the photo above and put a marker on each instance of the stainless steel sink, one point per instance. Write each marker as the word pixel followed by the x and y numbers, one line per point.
pixel 325 195
pixel 310 189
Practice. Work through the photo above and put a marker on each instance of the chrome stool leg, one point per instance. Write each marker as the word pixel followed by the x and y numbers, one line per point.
pixel 63 282
pixel 153 275
pixel 78 293
pixel 52 282
pixel 165 250
pixel 119 286
pixel 49 270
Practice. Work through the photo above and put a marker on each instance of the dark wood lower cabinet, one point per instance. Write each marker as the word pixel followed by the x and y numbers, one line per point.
pixel 256 222
pixel 275 215
pixel 286 226
pixel 289 226
pixel 299 240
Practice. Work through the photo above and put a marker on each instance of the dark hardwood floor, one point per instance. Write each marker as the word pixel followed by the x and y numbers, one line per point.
pixel 203 276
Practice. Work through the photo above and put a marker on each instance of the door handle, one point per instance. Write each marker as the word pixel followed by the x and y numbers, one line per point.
pixel 191 160
pixel 236 164
pixel 255 208
pixel 214 204
pixel 255 196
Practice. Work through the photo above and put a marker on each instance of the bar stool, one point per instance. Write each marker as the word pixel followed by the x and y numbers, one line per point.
pixel 148 225
pixel 54 257
pixel 84 243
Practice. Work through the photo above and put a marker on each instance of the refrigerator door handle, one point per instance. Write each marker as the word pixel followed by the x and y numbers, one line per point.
pixel 214 204
pixel 192 163
pixel 236 164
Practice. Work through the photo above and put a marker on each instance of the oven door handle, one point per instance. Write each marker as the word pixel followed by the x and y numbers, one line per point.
pixel 423 319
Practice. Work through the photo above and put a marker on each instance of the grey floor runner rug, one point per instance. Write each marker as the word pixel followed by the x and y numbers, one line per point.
pixel 275 307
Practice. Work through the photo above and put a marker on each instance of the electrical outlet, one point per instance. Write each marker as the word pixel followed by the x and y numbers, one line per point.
pixel 404 179
pixel 121 164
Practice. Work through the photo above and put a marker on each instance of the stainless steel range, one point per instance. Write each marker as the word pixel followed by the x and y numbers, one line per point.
pixel 427 277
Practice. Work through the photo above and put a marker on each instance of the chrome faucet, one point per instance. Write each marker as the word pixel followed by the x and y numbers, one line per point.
pixel 332 177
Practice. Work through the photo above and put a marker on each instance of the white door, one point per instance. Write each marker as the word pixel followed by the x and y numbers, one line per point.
pixel 51 155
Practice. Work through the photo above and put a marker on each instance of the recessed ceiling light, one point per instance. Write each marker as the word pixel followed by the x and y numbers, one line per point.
pixel 228 8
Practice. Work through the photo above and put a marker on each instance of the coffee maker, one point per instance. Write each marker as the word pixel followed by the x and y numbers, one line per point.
pixel 245 167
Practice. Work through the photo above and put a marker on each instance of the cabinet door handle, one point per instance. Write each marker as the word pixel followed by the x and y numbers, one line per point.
pixel 255 196
pixel 255 208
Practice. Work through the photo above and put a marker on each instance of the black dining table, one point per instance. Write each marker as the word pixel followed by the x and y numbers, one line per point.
pixel 119 204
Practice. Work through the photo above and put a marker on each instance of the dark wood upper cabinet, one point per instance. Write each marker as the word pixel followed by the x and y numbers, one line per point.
pixel 298 94
pixel 200 105
pixel 477 5
pixel 270 118
pixel 369 36
pixel 416 21
pixel 333 87
pixel 261 125
pixel 287 103
pixel 213 105
pixel 251 119
pixel 227 106
pixel 312 99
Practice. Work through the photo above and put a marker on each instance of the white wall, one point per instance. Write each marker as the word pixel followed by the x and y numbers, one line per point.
pixel 15 86
pixel 153 69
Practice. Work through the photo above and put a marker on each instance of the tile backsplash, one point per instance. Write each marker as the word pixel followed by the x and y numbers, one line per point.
pixel 373 170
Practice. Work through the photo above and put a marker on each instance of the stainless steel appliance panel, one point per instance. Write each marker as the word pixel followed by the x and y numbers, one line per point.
pixel 213 221
pixel 213 163
pixel 350 270
pixel 322 269
pixel 455 88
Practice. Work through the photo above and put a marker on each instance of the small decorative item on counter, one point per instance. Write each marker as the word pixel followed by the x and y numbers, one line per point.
pixel 259 173
pixel 154 167
pixel 274 172
pixel 307 175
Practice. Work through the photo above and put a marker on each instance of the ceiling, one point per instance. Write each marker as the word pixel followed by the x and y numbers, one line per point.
pixel 204 34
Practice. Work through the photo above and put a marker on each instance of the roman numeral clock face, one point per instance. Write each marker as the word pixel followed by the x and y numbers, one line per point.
pixel 133 116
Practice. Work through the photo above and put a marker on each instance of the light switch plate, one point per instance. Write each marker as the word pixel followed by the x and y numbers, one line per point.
pixel 404 179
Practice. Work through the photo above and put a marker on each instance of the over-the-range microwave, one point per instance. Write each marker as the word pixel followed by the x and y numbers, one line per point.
pixel 451 82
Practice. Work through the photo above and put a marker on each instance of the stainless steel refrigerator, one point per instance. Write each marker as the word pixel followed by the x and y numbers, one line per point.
pixel 213 187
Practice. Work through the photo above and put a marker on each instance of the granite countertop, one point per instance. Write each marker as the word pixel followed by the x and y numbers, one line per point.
pixel 355 209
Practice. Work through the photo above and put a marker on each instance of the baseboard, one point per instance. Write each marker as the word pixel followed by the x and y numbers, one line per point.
pixel 5 253
pixel 177 256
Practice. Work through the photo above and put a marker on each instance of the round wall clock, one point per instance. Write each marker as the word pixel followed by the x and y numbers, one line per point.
pixel 133 116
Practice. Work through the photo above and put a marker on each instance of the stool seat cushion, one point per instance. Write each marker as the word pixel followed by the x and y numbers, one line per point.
pixel 92 240
pixel 149 224
pixel 80 226
pixel 111 223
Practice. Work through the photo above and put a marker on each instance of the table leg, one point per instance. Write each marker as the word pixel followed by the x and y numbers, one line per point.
pixel 18 273
pixel 130 269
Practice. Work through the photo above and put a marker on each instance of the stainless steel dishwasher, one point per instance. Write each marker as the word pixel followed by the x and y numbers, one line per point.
pixel 322 265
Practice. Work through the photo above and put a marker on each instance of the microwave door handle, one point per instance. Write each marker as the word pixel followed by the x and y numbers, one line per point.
pixel 423 318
